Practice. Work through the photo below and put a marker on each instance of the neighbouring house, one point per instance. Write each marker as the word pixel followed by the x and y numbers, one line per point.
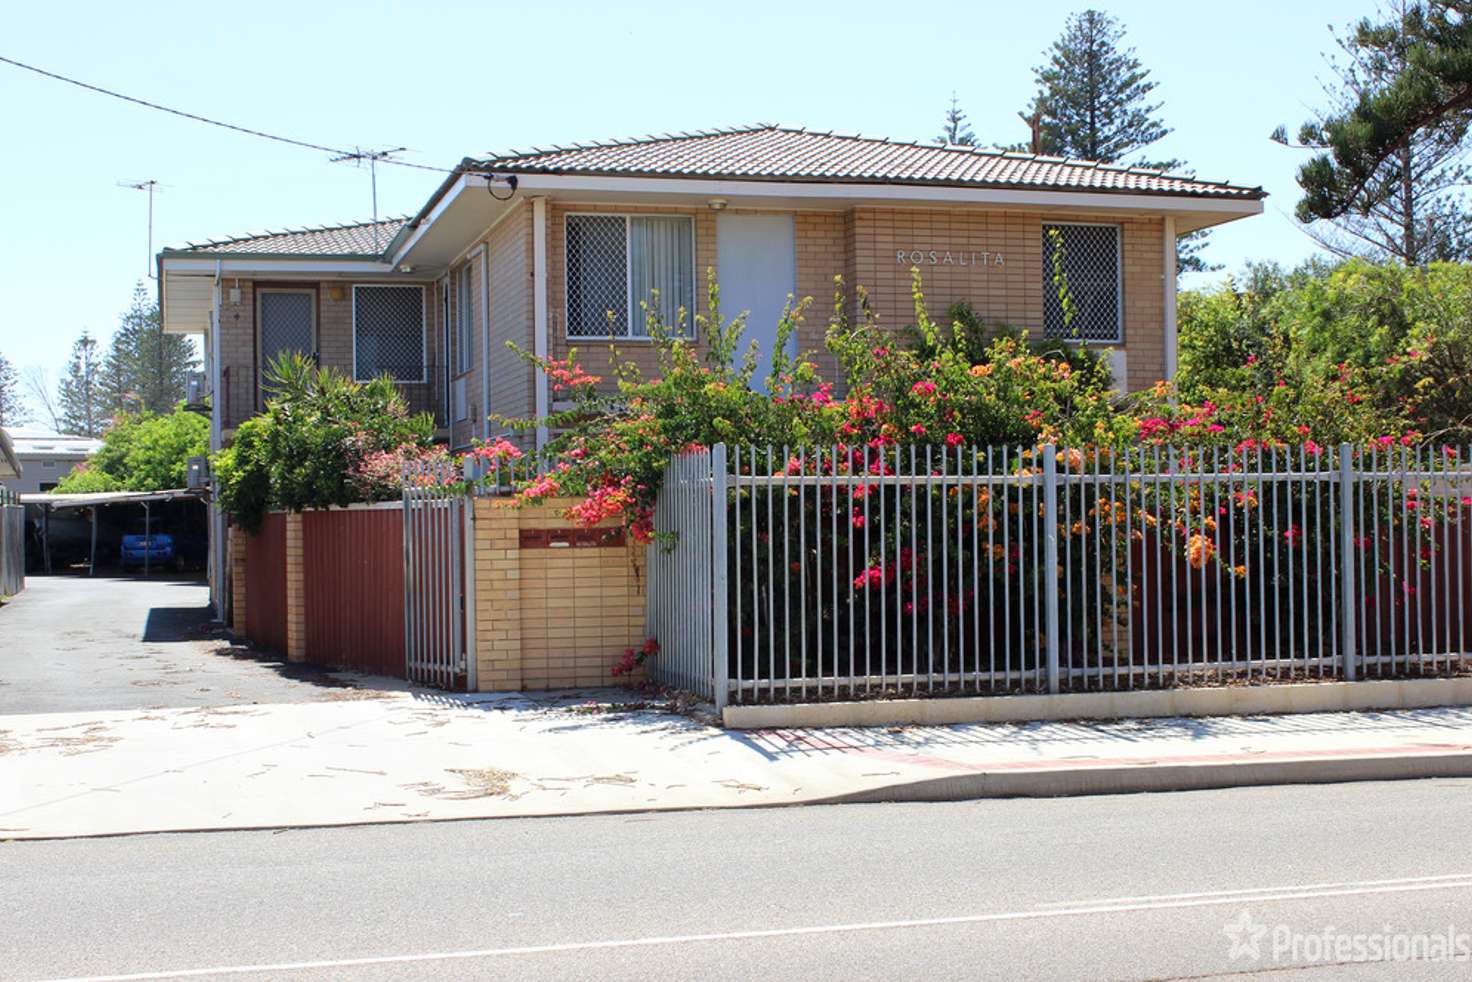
pixel 45 458
pixel 554 249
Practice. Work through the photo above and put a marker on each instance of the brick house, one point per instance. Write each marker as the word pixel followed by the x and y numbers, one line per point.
pixel 554 249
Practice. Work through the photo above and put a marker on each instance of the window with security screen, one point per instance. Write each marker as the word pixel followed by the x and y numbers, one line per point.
pixel 388 333
pixel 1081 283
pixel 617 262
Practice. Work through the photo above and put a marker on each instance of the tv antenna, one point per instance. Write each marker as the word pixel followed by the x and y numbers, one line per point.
pixel 358 157
pixel 150 186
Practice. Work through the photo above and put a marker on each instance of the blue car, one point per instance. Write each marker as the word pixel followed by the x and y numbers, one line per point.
pixel 142 546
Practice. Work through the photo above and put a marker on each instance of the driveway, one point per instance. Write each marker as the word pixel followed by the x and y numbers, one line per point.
pixel 73 644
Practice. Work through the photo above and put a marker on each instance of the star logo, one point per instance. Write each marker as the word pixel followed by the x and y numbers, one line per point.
pixel 1245 935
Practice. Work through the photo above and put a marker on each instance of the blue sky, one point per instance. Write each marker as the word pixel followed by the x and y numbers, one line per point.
pixel 454 79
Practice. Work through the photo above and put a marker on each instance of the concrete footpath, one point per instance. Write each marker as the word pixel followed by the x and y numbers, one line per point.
pixel 369 756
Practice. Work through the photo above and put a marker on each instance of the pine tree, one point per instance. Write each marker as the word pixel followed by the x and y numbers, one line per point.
pixel 145 369
pixel 1093 98
pixel 1392 183
pixel 79 393
pixel 12 409
pixel 1093 103
pixel 956 132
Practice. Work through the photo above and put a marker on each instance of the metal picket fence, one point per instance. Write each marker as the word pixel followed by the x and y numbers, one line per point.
pixel 437 545
pixel 686 599
pixel 852 573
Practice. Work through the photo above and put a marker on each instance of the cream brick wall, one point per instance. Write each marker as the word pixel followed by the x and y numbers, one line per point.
pixel 296 601
pixel 510 245
pixel 861 244
pixel 550 618
pixel 1013 292
pixel 238 598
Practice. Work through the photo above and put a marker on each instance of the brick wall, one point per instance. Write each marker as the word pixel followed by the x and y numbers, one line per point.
pixel 296 608
pixel 1011 292
pixel 510 246
pixel 862 243
pixel 238 597
pixel 549 617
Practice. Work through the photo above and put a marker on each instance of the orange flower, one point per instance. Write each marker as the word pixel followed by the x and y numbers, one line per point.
pixel 981 371
pixel 1199 551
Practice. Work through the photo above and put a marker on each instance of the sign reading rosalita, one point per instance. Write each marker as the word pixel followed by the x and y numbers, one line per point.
pixel 944 257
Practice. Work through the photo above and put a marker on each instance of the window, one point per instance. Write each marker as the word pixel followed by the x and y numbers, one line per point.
pixel 288 323
pixel 1088 258
pixel 615 261
pixel 464 311
pixel 388 332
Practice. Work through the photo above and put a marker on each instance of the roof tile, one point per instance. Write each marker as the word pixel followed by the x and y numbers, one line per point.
pixel 335 241
pixel 777 153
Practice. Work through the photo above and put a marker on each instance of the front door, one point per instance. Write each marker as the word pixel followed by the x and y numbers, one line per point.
pixel 756 258
pixel 288 320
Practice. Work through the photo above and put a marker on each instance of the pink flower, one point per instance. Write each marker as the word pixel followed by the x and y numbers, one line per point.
pixel 923 388
pixel 918 429
pixel 954 439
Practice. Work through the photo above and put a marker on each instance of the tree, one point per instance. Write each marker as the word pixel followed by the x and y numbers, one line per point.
pixel 143 452
pixel 1093 98
pixel 38 384
pixel 956 132
pixel 12 410
pixel 145 370
pixel 79 396
pixel 1093 103
pixel 1388 180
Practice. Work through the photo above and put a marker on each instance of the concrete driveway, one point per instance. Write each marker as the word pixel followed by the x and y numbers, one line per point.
pixel 73 644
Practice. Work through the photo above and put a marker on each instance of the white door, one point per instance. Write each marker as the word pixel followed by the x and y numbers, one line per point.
pixel 756 264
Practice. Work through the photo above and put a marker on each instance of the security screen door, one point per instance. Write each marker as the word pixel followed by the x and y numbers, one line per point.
pixel 757 260
pixel 288 323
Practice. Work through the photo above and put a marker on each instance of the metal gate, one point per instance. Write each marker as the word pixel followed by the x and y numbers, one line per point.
pixel 438 578
pixel 686 606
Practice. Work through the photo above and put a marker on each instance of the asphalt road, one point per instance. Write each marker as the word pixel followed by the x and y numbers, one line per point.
pixel 1126 887
pixel 73 644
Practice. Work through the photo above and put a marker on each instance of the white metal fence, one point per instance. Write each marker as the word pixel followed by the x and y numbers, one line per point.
pixel 12 544
pixel 686 602
pixel 850 573
pixel 438 577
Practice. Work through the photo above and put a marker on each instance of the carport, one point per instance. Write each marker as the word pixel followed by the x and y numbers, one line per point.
pixel 95 502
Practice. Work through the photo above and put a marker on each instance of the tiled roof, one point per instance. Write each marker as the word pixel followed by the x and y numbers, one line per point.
pixel 778 153
pixel 335 241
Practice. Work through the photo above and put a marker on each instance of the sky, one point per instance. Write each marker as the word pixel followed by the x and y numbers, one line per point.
pixel 455 79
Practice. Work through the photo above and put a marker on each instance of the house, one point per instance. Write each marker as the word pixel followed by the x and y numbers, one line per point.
pixel 45 457
pixel 554 249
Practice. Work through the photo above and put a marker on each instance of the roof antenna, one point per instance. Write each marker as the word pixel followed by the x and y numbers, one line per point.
pixel 357 157
pixel 149 185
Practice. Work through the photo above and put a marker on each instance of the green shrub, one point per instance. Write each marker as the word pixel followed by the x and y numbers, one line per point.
pixel 142 452
pixel 320 442
pixel 1403 334
pixel 943 390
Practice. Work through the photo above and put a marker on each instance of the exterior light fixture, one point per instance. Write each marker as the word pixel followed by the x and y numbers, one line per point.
pixel 716 204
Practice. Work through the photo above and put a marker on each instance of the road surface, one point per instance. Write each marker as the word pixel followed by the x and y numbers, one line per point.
pixel 74 644
pixel 1126 887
